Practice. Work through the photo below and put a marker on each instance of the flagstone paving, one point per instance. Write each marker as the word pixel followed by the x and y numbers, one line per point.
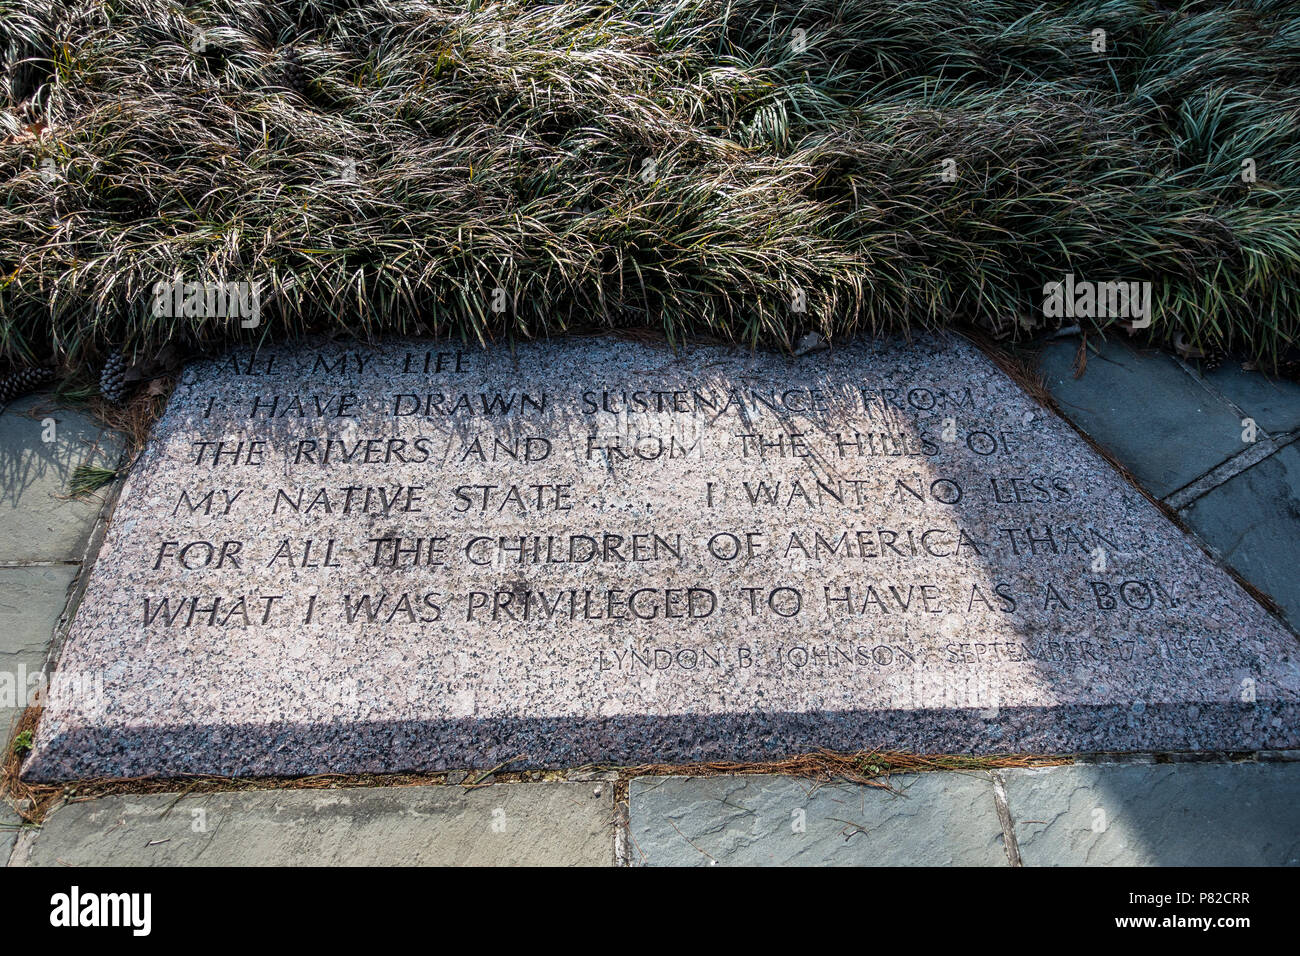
pixel 31 602
pixel 1220 814
pixel 1178 431
pixel 1217 447
pixel 40 446
pixel 930 819
pixel 1146 410
pixel 44 536
pixel 534 824
pixel 1273 403
pixel 44 532
pixel 1253 523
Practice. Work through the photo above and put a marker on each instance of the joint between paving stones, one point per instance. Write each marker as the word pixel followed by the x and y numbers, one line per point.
pixel 1009 842
pixel 623 822
pixel 1032 386
pixel 1228 469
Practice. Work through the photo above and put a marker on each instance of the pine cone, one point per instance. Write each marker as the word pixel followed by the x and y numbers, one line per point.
pixel 19 383
pixel 112 380
pixel 295 77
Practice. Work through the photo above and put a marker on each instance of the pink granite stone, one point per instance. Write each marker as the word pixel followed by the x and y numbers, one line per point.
pixel 411 558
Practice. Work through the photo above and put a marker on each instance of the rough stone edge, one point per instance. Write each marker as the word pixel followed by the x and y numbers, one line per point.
pixel 432 745
pixel 89 558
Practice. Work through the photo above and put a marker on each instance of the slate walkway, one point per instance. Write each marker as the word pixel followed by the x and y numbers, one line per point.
pixel 1213 814
pixel 46 538
pixel 522 824
pixel 1182 434
pixel 1219 448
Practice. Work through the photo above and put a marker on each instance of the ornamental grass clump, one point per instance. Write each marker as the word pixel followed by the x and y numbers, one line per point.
pixel 750 171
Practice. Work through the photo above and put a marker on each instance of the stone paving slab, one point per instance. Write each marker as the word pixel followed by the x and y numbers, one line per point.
pixel 1165 427
pixel 939 819
pixel 1253 521
pixel 552 824
pixel 1157 815
pixel 38 521
pixel 1273 403
pixel 9 823
pixel 31 600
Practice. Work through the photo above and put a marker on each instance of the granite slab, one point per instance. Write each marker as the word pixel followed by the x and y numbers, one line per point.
pixel 415 557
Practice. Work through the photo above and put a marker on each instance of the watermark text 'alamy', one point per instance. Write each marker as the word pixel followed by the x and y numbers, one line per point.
pixel 174 298
pixel 1066 298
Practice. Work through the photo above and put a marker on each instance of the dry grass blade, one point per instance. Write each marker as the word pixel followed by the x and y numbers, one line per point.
pixel 680 165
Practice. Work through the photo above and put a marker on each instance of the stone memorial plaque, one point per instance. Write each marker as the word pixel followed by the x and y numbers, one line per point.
pixel 419 557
